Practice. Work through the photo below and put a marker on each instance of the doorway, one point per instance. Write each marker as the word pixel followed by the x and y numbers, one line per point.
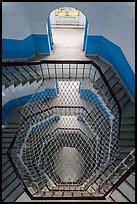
pixel 68 27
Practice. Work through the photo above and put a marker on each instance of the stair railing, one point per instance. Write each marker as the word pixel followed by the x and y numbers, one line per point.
pixel 75 70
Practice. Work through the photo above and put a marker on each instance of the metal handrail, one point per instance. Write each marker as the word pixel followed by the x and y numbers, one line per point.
pixel 117 168
pixel 27 63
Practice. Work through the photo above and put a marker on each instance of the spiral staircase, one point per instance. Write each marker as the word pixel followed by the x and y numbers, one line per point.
pixel 116 181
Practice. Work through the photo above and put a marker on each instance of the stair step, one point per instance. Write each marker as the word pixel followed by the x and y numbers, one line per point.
pixel 9 130
pixel 9 189
pixel 127 143
pixel 128 191
pixel 103 65
pixel 5 159
pixel 4 151
pixel 17 83
pixel 14 194
pixel 8 180
pixel 12 126
pixel 109 74
pixel 127 127
pixel 113 81
pixel 126 149
pixel 5 166
pixel 121 156
pixel 120 94
pixel 7 173
pixel 128 120
pixel 117 87
pixel 118 196
pixel 7 139
pixel 124 100
pixel 11 123
pixel 25 82
pixel 5 145
pixel 127 134
pixel 131 180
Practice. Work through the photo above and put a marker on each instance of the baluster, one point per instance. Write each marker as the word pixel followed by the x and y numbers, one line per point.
pixel 42 71
pixel 76 71
pixel 83 71
pixel 69 71
pixel 62 71
pixel 89 71
pixel 94 75
pixel 55 71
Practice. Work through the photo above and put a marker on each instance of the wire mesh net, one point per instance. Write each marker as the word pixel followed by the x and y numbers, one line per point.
pixel 68 135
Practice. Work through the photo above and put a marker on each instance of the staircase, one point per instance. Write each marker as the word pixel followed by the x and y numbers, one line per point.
pixel 11 188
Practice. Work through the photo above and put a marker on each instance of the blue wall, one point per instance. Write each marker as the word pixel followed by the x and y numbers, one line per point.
pixel 46 122
pixel 35 43
pixel 85 35
pixel 113 54
pixel 49 33
pixel 88 94
pixel 12 104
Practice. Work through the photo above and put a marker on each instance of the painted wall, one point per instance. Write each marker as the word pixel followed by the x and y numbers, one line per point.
pixel 113 20
pixel 110 32
pixel 15 97
pixel 113 54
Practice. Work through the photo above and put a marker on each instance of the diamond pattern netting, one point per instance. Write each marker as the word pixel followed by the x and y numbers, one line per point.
pixel 68 135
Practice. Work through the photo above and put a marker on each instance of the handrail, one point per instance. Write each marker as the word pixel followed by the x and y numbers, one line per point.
pixel 23 184
pixel 117 167
pixel 5 64
pixel 124 176
pixel 27 63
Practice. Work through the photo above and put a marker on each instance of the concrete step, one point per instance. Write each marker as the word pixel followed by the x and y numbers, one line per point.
pixel 11 187
pixel 124 100
pixel 7 140
pixel 103 65
pixel 127 134
pixel 128 191
pixel 7 173
pixel 127 143
pixel 131 180
pixel 128 120
pixel 9 130
pixel 120 94
pixel 117 87
pixel 118 196
pixel 127 127
pixel 13 196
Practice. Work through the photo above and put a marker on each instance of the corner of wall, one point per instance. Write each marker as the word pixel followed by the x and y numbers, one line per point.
pixel 113 54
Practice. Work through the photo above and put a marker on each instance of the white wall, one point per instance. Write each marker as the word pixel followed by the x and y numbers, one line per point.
pixel 113 20
pixel 14 21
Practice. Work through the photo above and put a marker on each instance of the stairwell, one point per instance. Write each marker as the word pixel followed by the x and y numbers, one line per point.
pixel 11 188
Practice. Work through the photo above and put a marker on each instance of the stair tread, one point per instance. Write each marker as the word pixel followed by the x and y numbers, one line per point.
pixel 118 196
pixel 14 195
pixel 131 180
pixel 127 190
pixel 9 188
